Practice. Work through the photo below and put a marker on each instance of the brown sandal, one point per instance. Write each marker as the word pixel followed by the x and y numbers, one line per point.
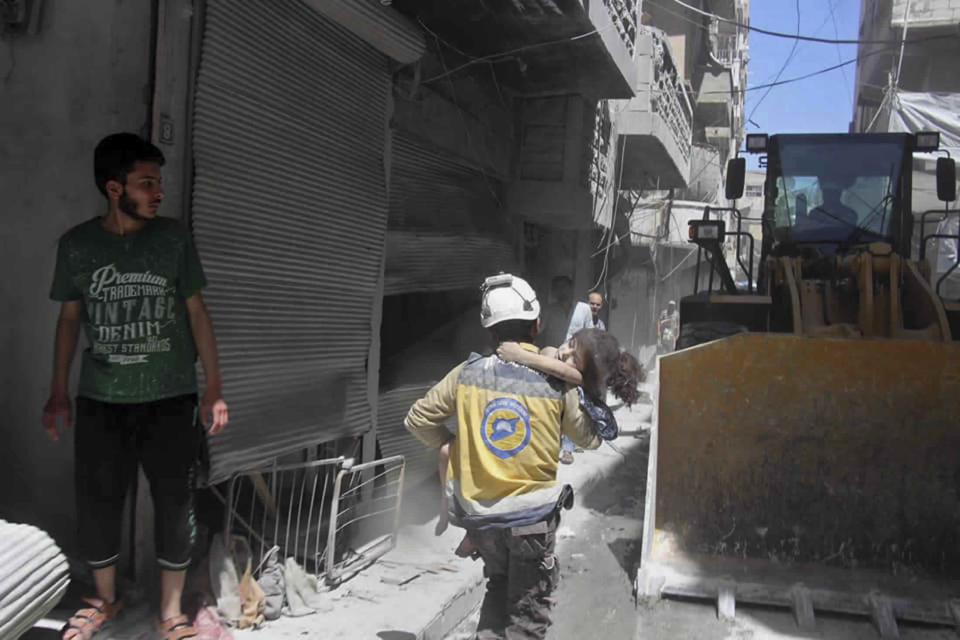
pixel 176 628
pixel 89 620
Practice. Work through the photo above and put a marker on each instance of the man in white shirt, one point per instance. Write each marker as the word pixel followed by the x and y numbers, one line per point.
pixel 586 315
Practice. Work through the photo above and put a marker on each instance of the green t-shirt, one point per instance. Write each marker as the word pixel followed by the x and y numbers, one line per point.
pixel 134 289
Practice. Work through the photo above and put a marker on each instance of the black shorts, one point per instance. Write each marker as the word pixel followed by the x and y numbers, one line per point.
pixel 111 439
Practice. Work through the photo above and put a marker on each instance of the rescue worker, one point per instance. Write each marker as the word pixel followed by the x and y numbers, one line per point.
pixel 502 483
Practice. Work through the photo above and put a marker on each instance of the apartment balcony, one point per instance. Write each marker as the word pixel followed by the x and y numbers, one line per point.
pixel 562 162
pixel 556 46
pixel 715 96
pixel 727 49
pixel 657 217
pixel 655 128
pixel 924 14
pixel 735 10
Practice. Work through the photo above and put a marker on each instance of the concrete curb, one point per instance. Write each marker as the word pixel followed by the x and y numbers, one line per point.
pixel 454 611
pixel 591 469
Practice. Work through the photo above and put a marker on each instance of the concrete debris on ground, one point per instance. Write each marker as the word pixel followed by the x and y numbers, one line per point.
pixel 420 589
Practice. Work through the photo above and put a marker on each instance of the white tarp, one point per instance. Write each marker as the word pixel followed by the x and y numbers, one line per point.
pixel 34 575
pixel 946 258
pixel 913 111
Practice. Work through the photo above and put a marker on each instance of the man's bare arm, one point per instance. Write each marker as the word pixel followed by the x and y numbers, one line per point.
pixel 58 408
pixel 212 403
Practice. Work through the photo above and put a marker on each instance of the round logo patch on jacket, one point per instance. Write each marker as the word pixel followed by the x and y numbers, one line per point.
pixel 506 427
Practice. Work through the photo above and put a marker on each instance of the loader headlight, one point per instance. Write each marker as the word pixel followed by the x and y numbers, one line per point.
pixel 710 230
pixel 926 141
pixel 756 142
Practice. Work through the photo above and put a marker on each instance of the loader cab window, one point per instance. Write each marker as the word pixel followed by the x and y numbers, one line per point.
pixel 831 194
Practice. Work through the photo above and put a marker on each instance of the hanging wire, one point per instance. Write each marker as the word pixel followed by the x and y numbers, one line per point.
pixel 797 36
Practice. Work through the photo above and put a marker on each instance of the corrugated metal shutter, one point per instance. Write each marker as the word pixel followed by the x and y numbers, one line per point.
pixel 447 223
pixel 34 575
pixel 438 261
pixel 378 24
pixel 394 439
pixel 289 215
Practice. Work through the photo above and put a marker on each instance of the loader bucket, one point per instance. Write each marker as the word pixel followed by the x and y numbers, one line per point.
pixel 813 473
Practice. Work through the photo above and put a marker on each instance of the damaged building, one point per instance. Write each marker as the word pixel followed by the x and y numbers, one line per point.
pixel 350 172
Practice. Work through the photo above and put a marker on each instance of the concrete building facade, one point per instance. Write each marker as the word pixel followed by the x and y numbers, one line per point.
pixel 373 162
pixel 909 87
pixel 74 73
pixel 673 141
pixel 927 63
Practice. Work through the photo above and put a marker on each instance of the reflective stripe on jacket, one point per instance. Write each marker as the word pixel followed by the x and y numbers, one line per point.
pixel 503 462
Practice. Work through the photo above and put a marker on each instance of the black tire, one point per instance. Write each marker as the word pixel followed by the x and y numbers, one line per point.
pixel 695 333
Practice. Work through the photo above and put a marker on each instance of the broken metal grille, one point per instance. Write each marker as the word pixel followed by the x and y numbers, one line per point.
pixel 284 505
pixel 332 516
pixel 366 504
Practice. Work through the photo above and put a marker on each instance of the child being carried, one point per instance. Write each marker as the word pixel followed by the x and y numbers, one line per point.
pixel 592 361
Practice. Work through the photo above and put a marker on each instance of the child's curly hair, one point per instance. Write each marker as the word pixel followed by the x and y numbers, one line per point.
pixel 606 366
pixel 623 382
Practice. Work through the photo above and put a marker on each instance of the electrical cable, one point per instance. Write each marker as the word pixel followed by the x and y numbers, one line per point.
pixel 606 257
pixel 893 80
pixel 883 102
pixel 783 68
pixel 439 39
pixel 903 42
pixel 493 57
pixel 466 129
pixel 832 7
pixel 507 55
pixel 615 240
pixel 779 34
pixel 809 75
pixel 826 19
pixel 678 265
pixel 680 15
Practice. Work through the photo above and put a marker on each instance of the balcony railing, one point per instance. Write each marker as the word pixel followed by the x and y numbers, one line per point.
pixel 924 14
pixel 624 15
pixel 727 50
pixel 669 97
pixel 596 174
pixel 655 128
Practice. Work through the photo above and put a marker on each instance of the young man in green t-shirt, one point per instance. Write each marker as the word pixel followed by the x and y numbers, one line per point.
pixel 132 280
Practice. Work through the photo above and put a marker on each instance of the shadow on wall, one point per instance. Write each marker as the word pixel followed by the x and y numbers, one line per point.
pixel 421 350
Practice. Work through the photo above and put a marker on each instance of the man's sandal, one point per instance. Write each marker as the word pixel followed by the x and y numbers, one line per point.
pixel 89 620
pixel 176 628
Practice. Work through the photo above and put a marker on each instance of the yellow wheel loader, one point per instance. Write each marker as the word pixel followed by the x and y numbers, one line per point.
pixel 806 447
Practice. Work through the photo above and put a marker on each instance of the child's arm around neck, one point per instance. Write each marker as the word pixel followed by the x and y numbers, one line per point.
pixel 545 361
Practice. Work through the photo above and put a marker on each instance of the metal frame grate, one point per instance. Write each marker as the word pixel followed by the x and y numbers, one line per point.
pixel 372 499
pixel 308 509
pixel 267 506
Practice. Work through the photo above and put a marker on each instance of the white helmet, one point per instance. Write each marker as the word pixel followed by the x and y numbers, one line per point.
pixel 507 297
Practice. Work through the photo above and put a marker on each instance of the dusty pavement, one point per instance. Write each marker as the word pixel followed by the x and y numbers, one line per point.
pixel 599 550
pixel 598 544
pixel 420 590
